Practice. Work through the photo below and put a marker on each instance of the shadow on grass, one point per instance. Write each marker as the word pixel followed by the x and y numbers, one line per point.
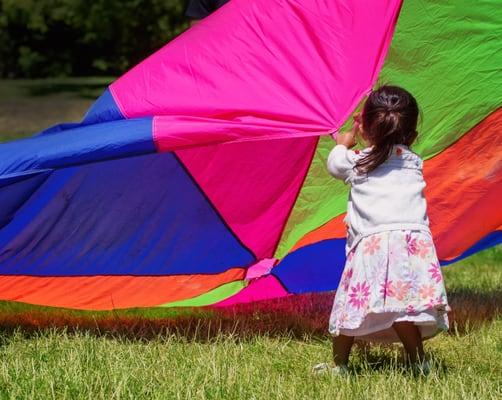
pixel 472 308
pixel 381 358
pixel 299 317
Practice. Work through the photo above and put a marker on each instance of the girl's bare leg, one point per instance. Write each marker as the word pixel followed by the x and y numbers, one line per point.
pixel 341 349
pixel 412 340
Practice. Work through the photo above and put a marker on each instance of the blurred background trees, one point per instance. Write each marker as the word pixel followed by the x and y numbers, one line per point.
pixel 60 38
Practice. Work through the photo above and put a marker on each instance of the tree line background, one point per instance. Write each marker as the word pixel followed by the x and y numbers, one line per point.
pixel 59 38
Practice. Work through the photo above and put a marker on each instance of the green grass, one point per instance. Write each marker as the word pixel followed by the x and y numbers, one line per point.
pixel 76 366
pixel 257 351
pixel 29 106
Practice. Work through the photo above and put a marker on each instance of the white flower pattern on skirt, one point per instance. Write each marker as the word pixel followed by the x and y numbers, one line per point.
pixel 395 273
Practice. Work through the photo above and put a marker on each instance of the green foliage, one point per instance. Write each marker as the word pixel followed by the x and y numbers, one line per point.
pixel 41 38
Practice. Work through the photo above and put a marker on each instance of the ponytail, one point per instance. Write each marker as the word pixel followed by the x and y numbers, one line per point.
pixel 389 117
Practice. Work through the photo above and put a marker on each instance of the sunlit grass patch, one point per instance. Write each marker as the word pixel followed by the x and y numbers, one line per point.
pixel 59 364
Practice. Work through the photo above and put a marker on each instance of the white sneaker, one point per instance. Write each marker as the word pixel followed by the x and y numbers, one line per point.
pixel 422 368
pixel 324 368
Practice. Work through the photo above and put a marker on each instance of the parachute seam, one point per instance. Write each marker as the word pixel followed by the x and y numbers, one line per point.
pixel 213 207
pixel 276 246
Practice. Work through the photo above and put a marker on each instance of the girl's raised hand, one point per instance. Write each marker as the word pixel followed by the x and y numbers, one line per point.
pixel 348 139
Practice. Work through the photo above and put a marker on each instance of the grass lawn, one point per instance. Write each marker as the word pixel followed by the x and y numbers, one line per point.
pixel 260 351
pixel 29 106
pixel 257 351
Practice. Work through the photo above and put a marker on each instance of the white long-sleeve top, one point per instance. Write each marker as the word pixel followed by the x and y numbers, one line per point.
pixel 388 198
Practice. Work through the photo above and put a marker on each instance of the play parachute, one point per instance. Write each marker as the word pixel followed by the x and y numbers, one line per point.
pixel 199 176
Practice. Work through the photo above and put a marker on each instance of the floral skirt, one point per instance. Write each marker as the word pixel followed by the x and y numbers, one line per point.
pixel 389 277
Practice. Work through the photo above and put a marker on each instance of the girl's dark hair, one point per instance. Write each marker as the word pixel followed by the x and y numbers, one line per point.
pixel 389 117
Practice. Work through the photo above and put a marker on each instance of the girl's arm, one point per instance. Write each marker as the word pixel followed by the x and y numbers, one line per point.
pixel 341 160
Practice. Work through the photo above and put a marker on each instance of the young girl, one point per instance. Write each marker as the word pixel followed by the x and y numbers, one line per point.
pixel 392 287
